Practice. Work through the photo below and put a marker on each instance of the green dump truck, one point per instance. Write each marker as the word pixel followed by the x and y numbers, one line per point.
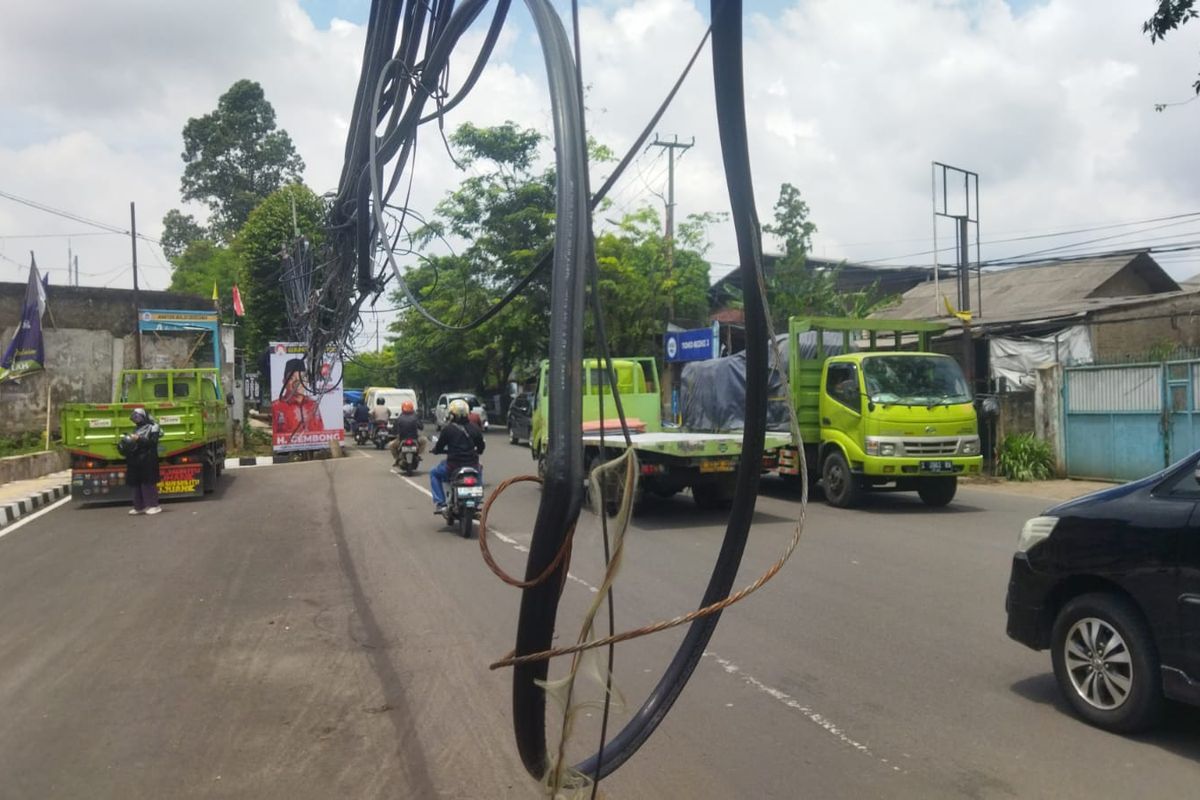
pixel 670 459
pixel 189 407
pixel 877 410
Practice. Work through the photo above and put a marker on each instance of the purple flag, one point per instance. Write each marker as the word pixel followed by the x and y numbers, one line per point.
pixel 26 352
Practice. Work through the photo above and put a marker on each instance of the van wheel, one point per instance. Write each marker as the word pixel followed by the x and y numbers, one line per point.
pixel 937 492
pixel 842 487
pixel 1106 663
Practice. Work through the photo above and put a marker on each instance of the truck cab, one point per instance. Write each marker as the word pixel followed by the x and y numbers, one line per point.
pixel 879 416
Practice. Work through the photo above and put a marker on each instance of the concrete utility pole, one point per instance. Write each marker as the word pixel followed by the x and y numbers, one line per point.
pixel 671 147
pixel 137 302
pixel 671 372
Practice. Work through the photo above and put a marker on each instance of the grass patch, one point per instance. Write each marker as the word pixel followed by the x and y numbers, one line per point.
pixel 20 444
pixel 256 442
pixel 1024 457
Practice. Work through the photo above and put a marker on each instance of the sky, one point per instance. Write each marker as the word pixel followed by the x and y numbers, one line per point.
pixel 1051 102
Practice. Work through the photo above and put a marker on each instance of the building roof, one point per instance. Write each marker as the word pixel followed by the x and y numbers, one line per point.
pixel 1041 291
pixel 850 278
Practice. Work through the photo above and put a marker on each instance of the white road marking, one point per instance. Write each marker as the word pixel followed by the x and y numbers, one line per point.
pixel 508 540
pixel 828 725
pixel 7 529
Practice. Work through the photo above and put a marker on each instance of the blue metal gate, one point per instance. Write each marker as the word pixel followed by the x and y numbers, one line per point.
pixel 1125 422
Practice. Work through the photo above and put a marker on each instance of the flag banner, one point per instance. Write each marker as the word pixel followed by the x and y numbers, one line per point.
pixel 238 309
pixel 26 352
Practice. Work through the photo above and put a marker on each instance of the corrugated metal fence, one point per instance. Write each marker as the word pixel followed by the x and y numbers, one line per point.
pixel 1127 421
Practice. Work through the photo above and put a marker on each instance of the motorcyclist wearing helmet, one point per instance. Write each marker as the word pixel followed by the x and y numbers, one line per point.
pixel 462 442
pixel 380 414
pixel 406 426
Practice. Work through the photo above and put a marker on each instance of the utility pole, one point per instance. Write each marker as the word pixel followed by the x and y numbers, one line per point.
pixel 671 372
pixel 671 147
pixel 137 323
pixel 76 270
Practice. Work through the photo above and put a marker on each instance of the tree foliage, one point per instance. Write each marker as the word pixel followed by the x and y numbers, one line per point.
pixel 235 157
pixel 1169 16
pixel 258 246
pixel 793 287
pixel 179 231
pixel 503 216
pixel 370 369
pixel 202 265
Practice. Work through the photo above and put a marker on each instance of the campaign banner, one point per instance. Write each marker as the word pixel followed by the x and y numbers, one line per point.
pixel 26 353
pixel 306 409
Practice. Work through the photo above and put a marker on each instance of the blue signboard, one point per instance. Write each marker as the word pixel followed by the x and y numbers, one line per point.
pixel 694 345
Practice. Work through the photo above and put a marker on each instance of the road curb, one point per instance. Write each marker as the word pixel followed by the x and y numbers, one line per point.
pixel 248 461
pixel 13 510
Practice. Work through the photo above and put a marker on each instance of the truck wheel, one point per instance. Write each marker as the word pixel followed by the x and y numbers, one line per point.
pixel 208 477
pixel 937 492
pixel 1106 663
pixel 842 488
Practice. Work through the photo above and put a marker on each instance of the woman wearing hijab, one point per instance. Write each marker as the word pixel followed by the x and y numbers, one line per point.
pixel 140 449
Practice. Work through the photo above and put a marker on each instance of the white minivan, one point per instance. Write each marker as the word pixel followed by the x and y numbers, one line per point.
pixel 392 398
pixel 442 411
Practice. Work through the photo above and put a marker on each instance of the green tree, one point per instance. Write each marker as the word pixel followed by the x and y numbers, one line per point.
pixel 179 231
pixel 640 288
pixel 1170 15
pixel 370 369
pixel 235 157
pixel 258 246
pixel 793 287
pixel 504 213
pixel 204 264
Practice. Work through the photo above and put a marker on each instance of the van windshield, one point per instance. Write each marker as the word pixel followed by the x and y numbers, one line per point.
pixel 915 380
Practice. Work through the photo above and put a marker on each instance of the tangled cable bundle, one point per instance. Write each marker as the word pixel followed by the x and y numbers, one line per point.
pixel 405 69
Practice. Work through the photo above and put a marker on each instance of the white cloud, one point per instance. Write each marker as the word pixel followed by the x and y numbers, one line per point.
pixel 1053 107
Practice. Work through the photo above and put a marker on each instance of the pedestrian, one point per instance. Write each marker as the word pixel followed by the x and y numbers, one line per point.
pixel 140 449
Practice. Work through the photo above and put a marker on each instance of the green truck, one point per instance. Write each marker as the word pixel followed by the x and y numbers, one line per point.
pixel 881 412
pixel 189 407
pixel 670 459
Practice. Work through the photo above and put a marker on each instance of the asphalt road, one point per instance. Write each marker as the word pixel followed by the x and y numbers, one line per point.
pixel 313 632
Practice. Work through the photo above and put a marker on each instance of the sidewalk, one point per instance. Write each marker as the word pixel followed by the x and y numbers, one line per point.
pixel 19 498
pixel 1058 489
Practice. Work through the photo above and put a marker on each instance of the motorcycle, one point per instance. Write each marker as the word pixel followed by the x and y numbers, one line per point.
pixel 409 458
pixel 381 436
pixel 464 500
pixel 362 433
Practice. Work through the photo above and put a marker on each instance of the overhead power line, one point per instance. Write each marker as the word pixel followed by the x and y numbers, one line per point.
pixel 58 212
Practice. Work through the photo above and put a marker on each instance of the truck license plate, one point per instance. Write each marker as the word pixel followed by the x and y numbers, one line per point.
pixel 937 466
pixel 717 465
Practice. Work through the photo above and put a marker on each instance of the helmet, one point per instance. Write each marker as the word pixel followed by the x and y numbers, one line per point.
pixel 379 401
pixel 138 415
pixel 406 407
pixel 459 408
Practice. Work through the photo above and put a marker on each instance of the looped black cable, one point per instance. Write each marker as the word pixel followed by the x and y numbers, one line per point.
pixel 539 604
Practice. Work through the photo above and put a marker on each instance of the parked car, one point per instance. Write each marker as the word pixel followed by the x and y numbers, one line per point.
pixel 1110 584
pixel 442 410
pixel 520 418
